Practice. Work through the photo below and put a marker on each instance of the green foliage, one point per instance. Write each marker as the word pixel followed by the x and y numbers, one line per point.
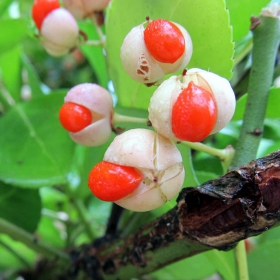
pixel 35 151
pixel 20 30
pixel 13 202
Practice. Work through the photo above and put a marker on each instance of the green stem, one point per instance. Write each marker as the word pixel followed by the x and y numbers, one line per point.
pixel 241 258
pixel 224 155
pixel 16 254
pixel 265 45
pixel 118 118
pixel 30 241
pixel 92 43
pixel 82 211
pixel 71 189
pixel 99 31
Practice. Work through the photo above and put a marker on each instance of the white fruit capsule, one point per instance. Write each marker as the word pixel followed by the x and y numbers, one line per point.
pixel 163 99
pixel 141 65
pixel 157 158
pixel 60 32
pixel 81 9
pixel 99 101
pixel 136 60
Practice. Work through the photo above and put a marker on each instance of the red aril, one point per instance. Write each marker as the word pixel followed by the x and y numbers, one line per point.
pixel 194 114
pixel 111 182
pixel 164 41
pixel 74 117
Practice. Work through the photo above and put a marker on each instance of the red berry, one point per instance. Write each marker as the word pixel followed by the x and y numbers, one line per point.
pixel 74 117
pixel 164 40
pixel 111 182
pixel 194 114
pixel 41 8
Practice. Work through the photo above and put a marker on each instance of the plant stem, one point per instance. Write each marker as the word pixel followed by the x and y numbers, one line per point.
pixel 241 258
pixel 118 118
pixel 99 31
pixel 82 211
pixel 71 189
pixel 16 254
pixel 93 43
pixel 265 45
pixel 30 241
pixel 225 155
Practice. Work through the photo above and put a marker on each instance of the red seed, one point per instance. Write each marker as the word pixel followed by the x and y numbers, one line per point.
pixel 164 40
pixel 111 182
pixel 41 8
pixel 74 117
pixel 194 114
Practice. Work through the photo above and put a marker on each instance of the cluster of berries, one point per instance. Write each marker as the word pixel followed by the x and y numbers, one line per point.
pixel 142 169
pixel 58 28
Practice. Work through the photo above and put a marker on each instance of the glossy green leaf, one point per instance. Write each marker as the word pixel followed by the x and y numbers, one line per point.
pixel 272 110
pixel 11 76
pixel 196 267
pixel 264 261
pixel 8 39
pixel 21 207
pixel 34 148
pixel 240 13
pixel 206 21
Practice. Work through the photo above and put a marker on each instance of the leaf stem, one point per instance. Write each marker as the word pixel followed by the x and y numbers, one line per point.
pixel 99 31
pixel 32 242
pixel 241 259
pixel 92 43
pixel 71 187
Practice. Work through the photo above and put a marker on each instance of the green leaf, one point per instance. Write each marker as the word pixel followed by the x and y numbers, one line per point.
pixel 95 54
pixel 34 148
pixel 196 267
pixel 12 32
pixel 11 75
pixel 21 207
pixel 240 13
pixel 264 261
pixel 206 21
pixel 224 262
pixel 272 111
pixel 4 4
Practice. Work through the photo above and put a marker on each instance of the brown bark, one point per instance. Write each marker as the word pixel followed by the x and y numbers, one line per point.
pixel 243 203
